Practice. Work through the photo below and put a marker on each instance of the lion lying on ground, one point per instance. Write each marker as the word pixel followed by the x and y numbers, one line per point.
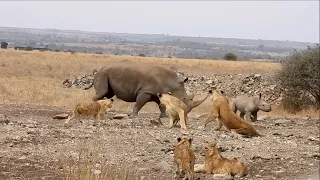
pixel 95 109
pixel 175 108
pixel 222 112
pixel 214 163
pixel 183 156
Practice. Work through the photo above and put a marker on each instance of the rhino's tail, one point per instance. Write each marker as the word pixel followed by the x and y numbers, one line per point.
pixel 88 86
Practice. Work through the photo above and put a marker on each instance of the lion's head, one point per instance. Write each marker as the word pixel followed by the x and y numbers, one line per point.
pixel 210 148
pixel 184 140
pixel 106 103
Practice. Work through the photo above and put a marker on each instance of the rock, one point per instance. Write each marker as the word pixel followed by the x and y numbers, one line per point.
pixel 162 166
pixel 257 77
pixel 23 157
pixel 120 116
pixel 312 138
pixel 281 121
pixel 61 116
pixel 4 119
pixel 261 118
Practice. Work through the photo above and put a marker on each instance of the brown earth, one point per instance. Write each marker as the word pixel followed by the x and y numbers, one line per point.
pixel 35 146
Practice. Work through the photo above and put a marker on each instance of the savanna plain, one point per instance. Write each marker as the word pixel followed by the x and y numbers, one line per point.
pixel 36 146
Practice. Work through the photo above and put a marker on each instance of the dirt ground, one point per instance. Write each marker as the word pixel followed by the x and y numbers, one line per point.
pixel 35 146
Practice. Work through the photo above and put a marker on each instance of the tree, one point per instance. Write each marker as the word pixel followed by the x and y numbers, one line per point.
pixel 4 45
pixel 230 57
pixel 300 79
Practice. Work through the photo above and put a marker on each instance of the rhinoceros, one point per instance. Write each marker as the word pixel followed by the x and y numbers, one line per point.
pixel 249 105
pixel 140 83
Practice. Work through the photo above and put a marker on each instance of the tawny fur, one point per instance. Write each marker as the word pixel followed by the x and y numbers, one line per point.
pixel 214 163
pixel 97 109
pixel 222 112
pixel 175 109
pixel 184 157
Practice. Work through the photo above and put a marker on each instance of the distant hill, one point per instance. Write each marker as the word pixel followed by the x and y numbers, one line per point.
pixel 159 45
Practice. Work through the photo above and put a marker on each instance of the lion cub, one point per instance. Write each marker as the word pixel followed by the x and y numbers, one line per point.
pixel 175 108
pixel 95 108
pixel 214 163
pixel 222 112
pixel 183 156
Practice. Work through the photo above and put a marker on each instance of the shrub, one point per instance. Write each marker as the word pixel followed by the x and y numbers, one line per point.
pixel 142 55
pixel 29 48
pixel 4 45
pixel 300 79
pixel 230 57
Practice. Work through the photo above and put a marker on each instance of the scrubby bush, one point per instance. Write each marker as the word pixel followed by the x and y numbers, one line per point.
pixel 300 79
pixel 4 45
pixel 230 57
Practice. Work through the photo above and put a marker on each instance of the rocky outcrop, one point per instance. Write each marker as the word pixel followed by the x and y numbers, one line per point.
pixel 233 85
pixel 80 81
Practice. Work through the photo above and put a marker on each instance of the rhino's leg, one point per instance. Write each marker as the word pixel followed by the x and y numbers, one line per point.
pixel 242 115
pixel 255 115
pixel 101 86
pixel 141 100
pixel 248 116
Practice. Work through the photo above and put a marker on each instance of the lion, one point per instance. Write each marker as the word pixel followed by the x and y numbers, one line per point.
pixel 222 112
pixel 96 109
pixel 175 108
pixel 183 156
pixel 214 163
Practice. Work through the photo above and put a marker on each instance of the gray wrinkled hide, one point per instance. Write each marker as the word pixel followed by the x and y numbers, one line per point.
pixel 140 83
pixel 249 106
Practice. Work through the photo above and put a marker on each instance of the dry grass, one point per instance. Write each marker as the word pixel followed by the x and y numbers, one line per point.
pixel 36 77
pixel 89 163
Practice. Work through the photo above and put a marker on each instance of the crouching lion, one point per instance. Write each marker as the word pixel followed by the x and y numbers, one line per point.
pixel 214 163
pixel 95 109
pixel 184 157
pixel 222 112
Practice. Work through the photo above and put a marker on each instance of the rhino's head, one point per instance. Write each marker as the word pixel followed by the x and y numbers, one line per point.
pixel 187 99
pixel 263 105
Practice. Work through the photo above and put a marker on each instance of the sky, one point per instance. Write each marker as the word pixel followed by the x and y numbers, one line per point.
pixel 270 20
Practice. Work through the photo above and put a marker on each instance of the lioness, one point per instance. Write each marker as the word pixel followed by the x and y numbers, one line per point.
pixel 175 108
pixel 214 163
pixel 225 116
pixel 183 156
pixel 95 108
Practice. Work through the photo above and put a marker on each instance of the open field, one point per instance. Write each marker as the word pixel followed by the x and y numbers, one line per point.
pixel 35 146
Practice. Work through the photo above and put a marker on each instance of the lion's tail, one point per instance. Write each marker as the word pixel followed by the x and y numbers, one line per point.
pixel 253 129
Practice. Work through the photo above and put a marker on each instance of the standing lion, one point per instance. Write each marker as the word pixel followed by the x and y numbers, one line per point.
pixel 175 108
pixel 97 109
pixel 184 157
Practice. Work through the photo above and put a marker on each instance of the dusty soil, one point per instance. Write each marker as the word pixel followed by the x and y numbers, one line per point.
pixel 35 146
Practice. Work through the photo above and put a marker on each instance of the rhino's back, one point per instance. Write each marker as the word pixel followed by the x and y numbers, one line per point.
pixel 128 78
pixel 243 101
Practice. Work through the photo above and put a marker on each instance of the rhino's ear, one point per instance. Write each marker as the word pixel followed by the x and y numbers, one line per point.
pixel 111 100
pixel 159 95
pixel 169 93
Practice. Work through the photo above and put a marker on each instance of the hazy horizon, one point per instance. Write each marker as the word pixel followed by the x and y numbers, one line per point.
pixel 268 20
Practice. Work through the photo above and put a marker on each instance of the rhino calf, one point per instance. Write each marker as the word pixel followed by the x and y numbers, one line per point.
pixel 249 106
